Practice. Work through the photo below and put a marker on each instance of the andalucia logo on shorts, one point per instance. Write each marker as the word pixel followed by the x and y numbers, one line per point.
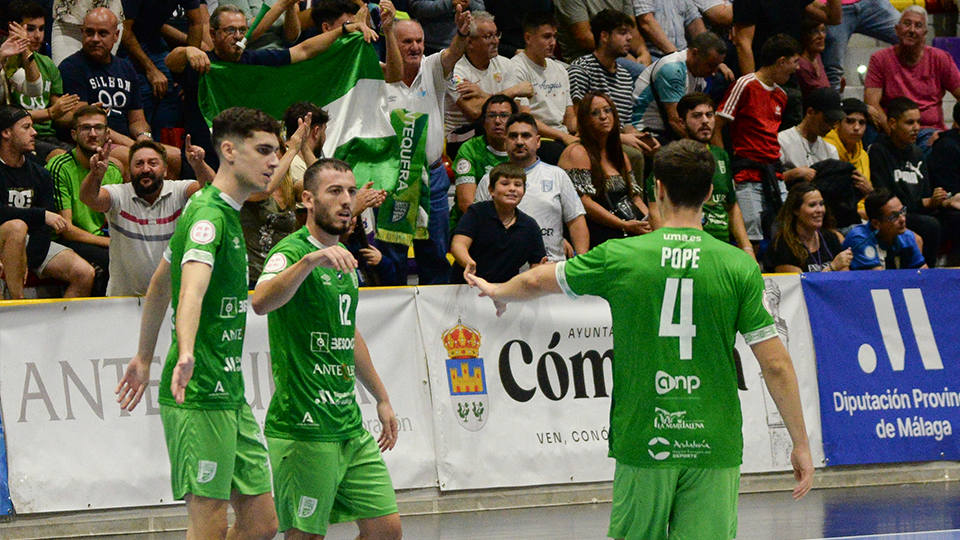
pixel 308 505
pixel 466 377
pixel 206 471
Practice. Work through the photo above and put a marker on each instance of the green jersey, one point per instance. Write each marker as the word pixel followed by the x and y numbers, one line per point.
pixel 474 160
pixel 68 174
pixel 312 350
pixel 678 297
pixel 716 218
pixel 209 232
pixel 52 85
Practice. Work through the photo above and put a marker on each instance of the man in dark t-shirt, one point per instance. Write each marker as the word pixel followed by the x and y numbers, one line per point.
pixel 756 21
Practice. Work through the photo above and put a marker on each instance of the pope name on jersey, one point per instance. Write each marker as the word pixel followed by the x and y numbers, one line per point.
pixel 209 232
pixel 313 356
pixel 674 384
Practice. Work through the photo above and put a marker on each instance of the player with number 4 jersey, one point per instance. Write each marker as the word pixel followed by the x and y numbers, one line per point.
pixel 678 298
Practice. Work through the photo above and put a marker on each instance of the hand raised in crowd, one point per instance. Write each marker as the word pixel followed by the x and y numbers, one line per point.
pixel 55 221
pixel 369 35
pixel 335 257
pixel 842 260
pixel 295 144
pixel 135 380
pixel 861 183
pixel 100 160
pixel 194 154
pixel 371 255
pixel 65 105
pixel 367 197
pixel 12 47
pixel 463 4
pixel 463 19
pixel 198 60
pixel 388 15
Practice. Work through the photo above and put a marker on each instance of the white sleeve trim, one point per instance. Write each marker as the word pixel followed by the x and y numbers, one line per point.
pixel 561 276
pixel 198 255
pixel 758 336
pixel 264 277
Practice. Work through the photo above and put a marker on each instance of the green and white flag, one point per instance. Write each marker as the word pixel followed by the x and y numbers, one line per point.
pixel 347 82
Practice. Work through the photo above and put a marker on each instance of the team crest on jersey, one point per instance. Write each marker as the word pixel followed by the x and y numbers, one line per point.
pixel 308 505
pixel 870 252
pixel 498 77
pixel 466 377
pixel 276 263
pixel 457 79
pixel 203 232
pixel 547 185
pixel 463 166
pixel 206 471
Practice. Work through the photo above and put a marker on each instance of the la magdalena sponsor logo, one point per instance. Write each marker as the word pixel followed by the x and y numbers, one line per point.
pixel 466 376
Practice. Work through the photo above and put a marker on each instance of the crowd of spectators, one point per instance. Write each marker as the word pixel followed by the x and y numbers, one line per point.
pixel 543 118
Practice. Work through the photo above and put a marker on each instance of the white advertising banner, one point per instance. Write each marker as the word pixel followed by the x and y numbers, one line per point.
pixel 524 399
pixel 70 447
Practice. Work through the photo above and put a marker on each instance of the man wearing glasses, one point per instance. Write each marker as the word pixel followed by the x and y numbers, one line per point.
pixel 85 232
pixel 228 26
pixel 480 154
pixel 884 243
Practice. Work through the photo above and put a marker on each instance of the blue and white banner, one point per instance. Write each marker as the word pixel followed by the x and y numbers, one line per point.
pixel 888 364
pixel 6 507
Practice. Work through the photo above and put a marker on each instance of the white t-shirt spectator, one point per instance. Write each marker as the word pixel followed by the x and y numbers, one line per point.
pixel 802 153
pixel 551 90
pixel 499 75
pixel 425 95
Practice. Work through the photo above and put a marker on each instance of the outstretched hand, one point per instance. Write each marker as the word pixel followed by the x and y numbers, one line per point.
pixel 486 289
pixel 100 161
pixel 463 20
pixel 195 154
pixel 334 257
pixel 300 135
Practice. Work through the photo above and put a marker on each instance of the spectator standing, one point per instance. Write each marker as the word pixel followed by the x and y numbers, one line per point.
pixel 422 89
pixel 477 156
pixel 50 106
pixel 511 16
pixel 495 240
pixel 803 145
pixel 756 21
pixel 437 19
pixel 754 107
pixel 281 33
pixel 805 241
pixel 810 72
pixel 551 103
pixel 28 215
pixel 665 24
pixel 722 218
pixel 477 76
pixel 602 175
pixel 549 198
pixel 575 36
pixel 898 164
pixel 674 76
pixel 86 232
pixel 67 32
pixel 873 18
pixel 717 14
pixel 884 242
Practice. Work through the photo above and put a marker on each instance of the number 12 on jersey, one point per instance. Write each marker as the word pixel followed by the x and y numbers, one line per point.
pixel 685 329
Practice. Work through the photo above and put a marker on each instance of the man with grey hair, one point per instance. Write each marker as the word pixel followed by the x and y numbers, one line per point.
pixel 873 18
pixel 421 89
pixel 911 69
pixel 477 76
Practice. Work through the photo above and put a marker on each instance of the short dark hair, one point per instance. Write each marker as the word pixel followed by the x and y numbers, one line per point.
pixel 874 202
pixel 686 170
pixel 506 170
pixel 21 10
pixel 900 105
pixel 498 98
pixel 87 110
pixel 523 118
pixel 221 9
pixel 328 11
pixel 607 21
pixel 536 19
pixel 148 143
pixel 777 47
pixel 693 100
pixel 311 177
pixel 300 109
pixel 708 42
pixel 241 122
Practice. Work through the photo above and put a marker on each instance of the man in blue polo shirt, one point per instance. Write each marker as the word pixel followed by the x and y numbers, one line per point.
pixel 884 242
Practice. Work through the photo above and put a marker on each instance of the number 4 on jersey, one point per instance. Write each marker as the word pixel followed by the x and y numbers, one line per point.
pixel 685 329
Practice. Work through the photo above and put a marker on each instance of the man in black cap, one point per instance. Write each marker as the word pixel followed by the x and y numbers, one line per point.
pixel 28 215
pixel 803 145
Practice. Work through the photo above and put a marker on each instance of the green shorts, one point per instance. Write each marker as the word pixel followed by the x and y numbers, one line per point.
pixel 214 452
pixel 319 483
pixel 679 504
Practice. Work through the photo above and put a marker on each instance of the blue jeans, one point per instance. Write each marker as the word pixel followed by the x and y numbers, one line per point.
pixel 873 18
pixel 633 68
pixel 433 268
pixel 166 111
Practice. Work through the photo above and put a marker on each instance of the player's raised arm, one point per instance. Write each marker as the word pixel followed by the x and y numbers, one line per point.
pixel 137 377
pixel 781 380
pixel 537 282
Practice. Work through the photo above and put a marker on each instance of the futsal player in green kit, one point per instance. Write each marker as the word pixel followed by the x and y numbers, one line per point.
pixel 678 297
pixel 217 452
pixel 326 467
